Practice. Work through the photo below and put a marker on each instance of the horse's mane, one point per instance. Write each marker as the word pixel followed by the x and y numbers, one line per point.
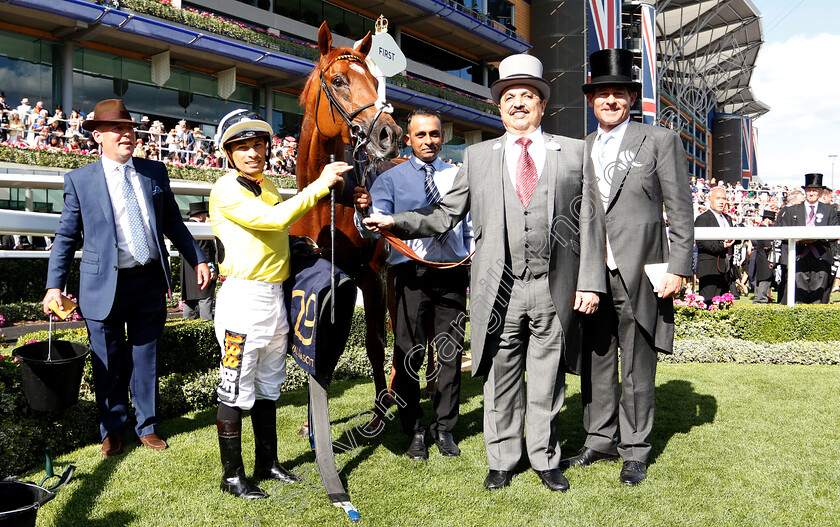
pixel 313 81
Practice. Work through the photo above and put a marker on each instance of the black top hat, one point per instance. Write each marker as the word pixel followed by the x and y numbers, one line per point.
pixel 611 67
pixel 813 181
pixel 769 214
pixel 197 207
pixel 2 94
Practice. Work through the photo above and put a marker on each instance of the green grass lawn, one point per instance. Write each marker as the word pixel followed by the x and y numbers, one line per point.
pixel 732 445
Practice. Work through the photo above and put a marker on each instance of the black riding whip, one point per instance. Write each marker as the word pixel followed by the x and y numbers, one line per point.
pixel 332 249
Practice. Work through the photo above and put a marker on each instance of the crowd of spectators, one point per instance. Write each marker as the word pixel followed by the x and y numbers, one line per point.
pixel 745 206
pixel 35 127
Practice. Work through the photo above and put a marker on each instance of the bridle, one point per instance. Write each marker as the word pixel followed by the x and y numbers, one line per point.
pixel 359 138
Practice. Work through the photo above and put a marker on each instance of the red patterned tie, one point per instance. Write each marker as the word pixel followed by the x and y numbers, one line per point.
pixel 526 173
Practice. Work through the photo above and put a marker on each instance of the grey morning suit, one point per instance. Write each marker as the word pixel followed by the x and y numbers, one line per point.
pixel 650 171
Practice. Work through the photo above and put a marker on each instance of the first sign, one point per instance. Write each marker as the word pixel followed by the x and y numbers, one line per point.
pixel 386 54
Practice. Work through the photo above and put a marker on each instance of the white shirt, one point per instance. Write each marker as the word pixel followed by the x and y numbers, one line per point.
pixel 114 181
pixel 536 150
pixel 720 218
pixel 610 148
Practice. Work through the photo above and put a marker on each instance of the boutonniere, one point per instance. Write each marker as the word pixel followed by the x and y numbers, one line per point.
pixel 156 191
pixel 497 146
pixel 819 217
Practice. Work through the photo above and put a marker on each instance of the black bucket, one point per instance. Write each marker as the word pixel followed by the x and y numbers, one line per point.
pixel 52 384
pixel 19 503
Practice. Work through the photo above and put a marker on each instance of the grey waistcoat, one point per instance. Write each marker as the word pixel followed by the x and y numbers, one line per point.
pixel 527 230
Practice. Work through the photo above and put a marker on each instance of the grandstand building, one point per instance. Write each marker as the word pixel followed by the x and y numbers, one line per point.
pixel 196 60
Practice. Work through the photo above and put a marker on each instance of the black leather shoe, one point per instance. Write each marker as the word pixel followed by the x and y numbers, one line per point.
pixel 554 479
pixel 446 445
pixel 633 473
pixel 276 472
pixel 416 450
pixel 586 457
pixel 497 479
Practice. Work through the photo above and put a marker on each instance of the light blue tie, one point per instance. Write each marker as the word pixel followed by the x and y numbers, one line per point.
pixel 602 152
pixel 140 249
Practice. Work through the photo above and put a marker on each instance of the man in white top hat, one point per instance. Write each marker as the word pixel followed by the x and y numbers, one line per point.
pixel 538 238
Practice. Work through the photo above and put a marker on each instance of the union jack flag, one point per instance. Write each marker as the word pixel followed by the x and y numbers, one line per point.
pixel 604 33
pixel 606 23
pixel 650 97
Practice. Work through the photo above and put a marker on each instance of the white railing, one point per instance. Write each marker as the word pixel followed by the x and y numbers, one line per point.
pixel 791 234
pixel 41 224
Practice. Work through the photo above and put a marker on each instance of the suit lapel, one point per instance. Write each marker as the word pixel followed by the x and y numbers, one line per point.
pixel 496 197
pixel 147 185
pixel 552 171
pixel 99 187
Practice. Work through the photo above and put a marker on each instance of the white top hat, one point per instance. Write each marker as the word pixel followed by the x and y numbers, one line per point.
pixel 520 69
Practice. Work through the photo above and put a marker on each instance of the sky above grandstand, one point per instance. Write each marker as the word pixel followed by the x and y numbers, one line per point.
pixel 796 73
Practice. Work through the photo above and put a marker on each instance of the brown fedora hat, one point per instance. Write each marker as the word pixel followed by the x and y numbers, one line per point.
pixel 108 111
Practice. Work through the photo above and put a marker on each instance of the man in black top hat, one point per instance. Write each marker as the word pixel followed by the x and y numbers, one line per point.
pixel 639 170
pixel 199 302
pixel 761 266
pixel 4 117
pixel 813 257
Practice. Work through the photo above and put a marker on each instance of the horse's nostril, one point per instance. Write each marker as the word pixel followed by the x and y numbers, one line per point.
pixel 384 135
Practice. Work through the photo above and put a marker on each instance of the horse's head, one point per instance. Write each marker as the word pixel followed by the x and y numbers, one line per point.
pixel 342 92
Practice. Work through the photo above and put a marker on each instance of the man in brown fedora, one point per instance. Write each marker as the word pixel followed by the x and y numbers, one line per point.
pixel 538 235
pixel 639 170
pixel 813 257
pixel 120 208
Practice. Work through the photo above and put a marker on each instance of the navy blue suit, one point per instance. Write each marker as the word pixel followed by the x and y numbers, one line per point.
pixel 112 299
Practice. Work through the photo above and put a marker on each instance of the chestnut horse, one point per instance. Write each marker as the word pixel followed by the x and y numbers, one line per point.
pixel 340 115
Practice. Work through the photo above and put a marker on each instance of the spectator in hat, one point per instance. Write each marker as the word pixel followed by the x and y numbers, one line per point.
pixel 24 108
pixel 4 118
pixel 762 268
pixel 143 129
pixel 16 127
pixel 120 208
pixel 198 303
pixel 813 257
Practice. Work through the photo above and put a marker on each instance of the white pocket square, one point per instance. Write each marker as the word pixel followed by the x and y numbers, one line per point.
pixel 551 145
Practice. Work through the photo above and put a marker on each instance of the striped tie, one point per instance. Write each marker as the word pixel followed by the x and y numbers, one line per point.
pixel 139 247
pixel 432 194
pixel 526 173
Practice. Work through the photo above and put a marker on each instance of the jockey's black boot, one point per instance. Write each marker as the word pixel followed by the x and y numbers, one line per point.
pixel 266 466
pixel 234 480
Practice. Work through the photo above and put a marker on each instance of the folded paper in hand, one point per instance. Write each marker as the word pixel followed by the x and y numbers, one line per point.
pixel 66 303
pixel 655 273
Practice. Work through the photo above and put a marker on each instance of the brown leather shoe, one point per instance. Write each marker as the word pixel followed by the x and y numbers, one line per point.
pixel 112 445
pixel 153 441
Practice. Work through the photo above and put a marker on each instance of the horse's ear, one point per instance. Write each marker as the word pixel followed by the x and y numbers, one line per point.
pixel 325 39
pixel 364 45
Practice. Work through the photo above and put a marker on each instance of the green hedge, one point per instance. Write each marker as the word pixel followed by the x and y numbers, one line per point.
pixel 24 280
pixel 761 323
pixel 748 352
